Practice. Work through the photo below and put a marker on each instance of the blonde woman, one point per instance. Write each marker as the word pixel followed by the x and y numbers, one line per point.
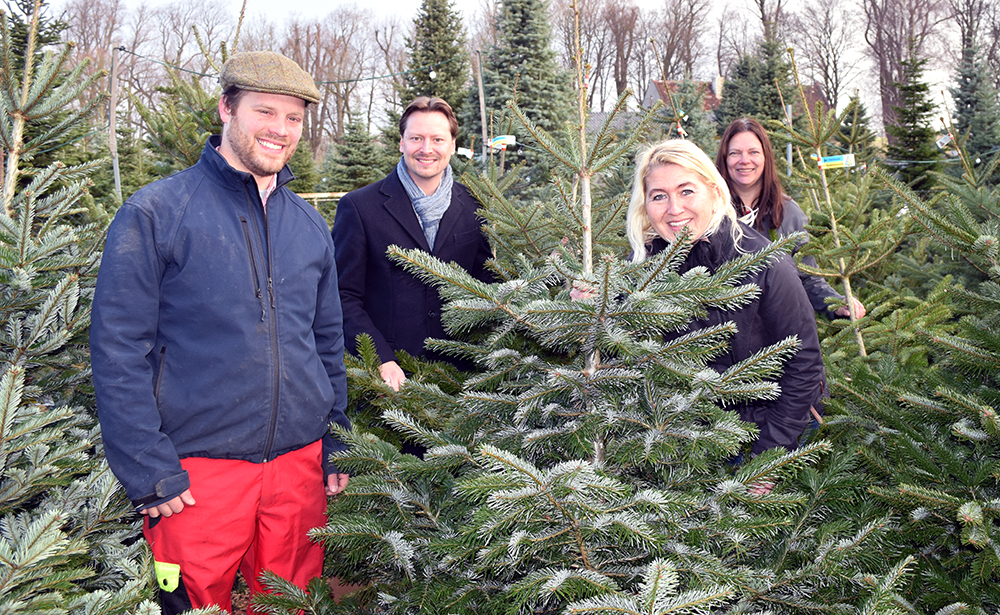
pixel 676 188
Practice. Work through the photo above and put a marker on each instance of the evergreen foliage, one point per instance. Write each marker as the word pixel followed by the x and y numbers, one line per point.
pixel 522 67
pixel 134 166
pixel 47 31
pixel 853 235
pixel 977 110
pixel 519 228
pixel 688 113
pixel 558 486
pixel 752 87
pixel 67 532
pixel 354 162
pixel 587 465
pixel 437 47
pixel 930 430
pixel 179 126
pixel 856 135
pixel 912 151
pixel 303 165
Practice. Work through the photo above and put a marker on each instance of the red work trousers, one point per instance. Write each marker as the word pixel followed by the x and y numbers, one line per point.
pixel 248 516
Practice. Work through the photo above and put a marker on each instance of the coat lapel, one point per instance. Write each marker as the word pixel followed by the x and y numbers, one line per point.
pixel 398 205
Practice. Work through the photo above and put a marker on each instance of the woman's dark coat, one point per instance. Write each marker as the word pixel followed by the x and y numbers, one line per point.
pixel 782 309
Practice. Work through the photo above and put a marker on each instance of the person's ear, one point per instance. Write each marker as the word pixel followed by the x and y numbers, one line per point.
pixel 224 111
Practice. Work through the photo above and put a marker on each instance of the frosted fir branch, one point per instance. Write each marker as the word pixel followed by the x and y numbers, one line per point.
pixel 761 365
pixel 777 464
pixel 885 594
pixel 731 271
pixel 930 498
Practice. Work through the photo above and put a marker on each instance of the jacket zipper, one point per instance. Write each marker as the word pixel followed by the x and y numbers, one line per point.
pixel 273 327
pixel 159 376
pixel 253 268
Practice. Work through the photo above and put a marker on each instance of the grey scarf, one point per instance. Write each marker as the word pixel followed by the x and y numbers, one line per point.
pixel 429 208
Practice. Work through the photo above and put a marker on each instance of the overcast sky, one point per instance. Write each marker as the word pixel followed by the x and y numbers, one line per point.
pixel 278 11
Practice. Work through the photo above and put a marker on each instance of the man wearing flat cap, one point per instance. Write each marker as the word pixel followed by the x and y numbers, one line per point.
pixel 217 349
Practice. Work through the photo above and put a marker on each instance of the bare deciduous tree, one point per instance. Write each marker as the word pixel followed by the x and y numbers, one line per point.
pixel 736 38
pixel 892 29
pixel 177 23
pixel 595 41
pixel 625 28
pixel 969 16
pixel 483 26
pixel 94 26
pixel 259 35
pixel 990 41
pixel 823 33
pixel 772 18
pixel 682 27
pixel 338 52
pixel 389 36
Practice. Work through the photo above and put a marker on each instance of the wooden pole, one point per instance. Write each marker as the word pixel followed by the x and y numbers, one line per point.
pixel 482 106
pixel 113 124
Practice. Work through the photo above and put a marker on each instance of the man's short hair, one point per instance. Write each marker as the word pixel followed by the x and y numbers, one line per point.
pixel 429 104
pixel 231 97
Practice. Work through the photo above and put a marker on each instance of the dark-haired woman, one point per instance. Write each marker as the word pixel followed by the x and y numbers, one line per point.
pixel 746 161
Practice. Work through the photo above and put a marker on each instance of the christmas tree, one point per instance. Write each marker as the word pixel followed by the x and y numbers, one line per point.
pixel 66 529
pixel 752 87
pixel 912 151
pixel 352 163
pixel 588 465
pixel 977 112
pixel 522 67
pixel 438 62
pixel 926 407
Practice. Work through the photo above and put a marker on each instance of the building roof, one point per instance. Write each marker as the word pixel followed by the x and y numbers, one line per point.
pixel 657 90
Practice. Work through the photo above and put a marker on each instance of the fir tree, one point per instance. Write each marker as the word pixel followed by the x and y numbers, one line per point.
pixel 438 63
pixel 977 111
pixel 302 164
pixel 354 162
pixel 47 31
pixel 687 112
pixel 134 166
pixel 855 135
pixel 522 67
pixel 853 235
pixel 928 416
pixel 751 90
pixel 912 150
pixel 583 468
pixel 48 34
pixel 68 532
pixel 179 126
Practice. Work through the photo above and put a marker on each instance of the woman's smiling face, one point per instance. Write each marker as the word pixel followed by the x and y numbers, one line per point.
pixel 676 199
pixel 745 160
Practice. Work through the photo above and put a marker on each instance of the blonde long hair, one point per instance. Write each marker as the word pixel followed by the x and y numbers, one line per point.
pixel 688 156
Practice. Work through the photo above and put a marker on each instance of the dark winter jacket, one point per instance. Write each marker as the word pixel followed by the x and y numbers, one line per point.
pixel 781 310
pixel 217 331
pixel 817 289
pixel 396 308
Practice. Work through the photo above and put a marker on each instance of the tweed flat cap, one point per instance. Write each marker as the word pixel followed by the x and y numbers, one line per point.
pixel 267 71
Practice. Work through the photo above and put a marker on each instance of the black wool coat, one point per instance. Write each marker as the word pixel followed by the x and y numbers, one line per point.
pixel 780 310
pixel 378 296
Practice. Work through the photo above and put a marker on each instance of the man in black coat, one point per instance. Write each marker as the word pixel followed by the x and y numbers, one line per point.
pixel 417 205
